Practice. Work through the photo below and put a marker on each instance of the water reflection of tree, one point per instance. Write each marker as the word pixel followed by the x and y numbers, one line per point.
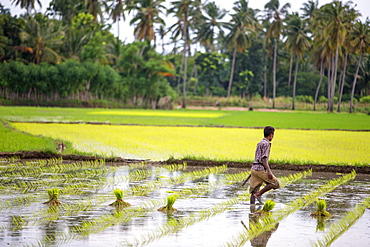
pixel 262 239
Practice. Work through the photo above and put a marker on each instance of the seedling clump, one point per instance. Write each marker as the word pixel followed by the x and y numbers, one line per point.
pixel 321 209
pixel 267 207
pixel 170 201
pixel 53 197
pixel 119 201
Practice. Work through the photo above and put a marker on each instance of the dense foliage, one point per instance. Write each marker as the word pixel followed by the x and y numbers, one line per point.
pixel 69 53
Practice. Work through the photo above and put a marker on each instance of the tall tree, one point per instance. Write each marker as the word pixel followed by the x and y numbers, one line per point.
pixel 297 42
pixel 274 30
pixel 211 26
pixel 184 11
pixel 333 17
pixel 309 9
pixel 94 8
pixel 66 9
pixel 117 9
pixel 43 36
pixel 147 14
pixel 243 24
pixel 162 31
pixel 26 4
pixel 360 40
pixel 351 16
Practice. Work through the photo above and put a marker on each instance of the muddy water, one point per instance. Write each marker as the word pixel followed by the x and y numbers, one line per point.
pixel 298 229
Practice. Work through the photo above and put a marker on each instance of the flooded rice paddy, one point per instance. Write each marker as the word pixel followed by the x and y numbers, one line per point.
pixel 85 218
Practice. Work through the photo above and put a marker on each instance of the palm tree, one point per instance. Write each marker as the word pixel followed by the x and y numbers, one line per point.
pixel 274 31
pixel 74 40
pixel 116 10
pixel 184 11
pixel 297 42
pixel 210 26
pixel 27 4
pixel 334 18
pixel 42 37
pixel 162 33
pixel 243 24
pixel 309 9
pixel 147 14
pixel 360 41
pixel 351 15
pixel 94 8
pixel 114 50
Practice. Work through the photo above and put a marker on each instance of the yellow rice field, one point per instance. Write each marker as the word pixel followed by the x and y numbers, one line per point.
pixel 233 144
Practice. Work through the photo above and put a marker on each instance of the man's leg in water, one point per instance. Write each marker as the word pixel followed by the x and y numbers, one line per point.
pixel 264 190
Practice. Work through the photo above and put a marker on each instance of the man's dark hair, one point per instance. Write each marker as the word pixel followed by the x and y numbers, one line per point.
pixel 268 130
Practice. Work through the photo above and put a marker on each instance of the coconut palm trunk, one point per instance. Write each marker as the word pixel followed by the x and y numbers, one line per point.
pixel 185 66
pixel 231 73
pixel 319 85
pixel 354 84
pixel 341 83
pixel 290 69
pixel 295 82
pixel 274 75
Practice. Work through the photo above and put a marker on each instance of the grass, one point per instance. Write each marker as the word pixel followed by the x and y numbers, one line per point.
pixel 296 120
pixel 220 144
pixel 13 141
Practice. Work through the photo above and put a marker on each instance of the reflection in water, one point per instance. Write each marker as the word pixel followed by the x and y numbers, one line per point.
pixel 16 223
pixel 262 239
pixel 320 226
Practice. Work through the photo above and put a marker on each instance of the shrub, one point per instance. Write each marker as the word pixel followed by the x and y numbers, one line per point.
pixel 322 99
pixel 365 99
pixel 304 99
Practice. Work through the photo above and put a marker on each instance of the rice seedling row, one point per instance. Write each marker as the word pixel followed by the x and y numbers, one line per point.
pixel 193 218
pixel 76 189
pixel 127 214
pixel 94 216
pixel 268 222
pixel 342 225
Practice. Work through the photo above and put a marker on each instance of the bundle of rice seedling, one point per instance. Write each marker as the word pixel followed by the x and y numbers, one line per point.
pixel 119 201
pixel 267 207
pixel 170 201
pixel 321 209
pixel 53 197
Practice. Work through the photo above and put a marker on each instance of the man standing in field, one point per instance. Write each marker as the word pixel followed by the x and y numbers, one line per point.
pixel 261 172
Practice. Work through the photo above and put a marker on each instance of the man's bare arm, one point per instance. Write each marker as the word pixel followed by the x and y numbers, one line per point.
pixel 267 167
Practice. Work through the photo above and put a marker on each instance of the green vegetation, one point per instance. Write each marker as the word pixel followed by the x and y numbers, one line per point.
pixel 217 144
pixel 343 224
pixel 321 209
pixel 267 207
pixel 268 222
pixel 296 120
pixel 13 141
pixel 70 55
pixel 53 197
pixel 119 203
pixel 171 199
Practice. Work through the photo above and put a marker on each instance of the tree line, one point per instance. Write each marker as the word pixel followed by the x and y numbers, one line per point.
pixel 69 52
